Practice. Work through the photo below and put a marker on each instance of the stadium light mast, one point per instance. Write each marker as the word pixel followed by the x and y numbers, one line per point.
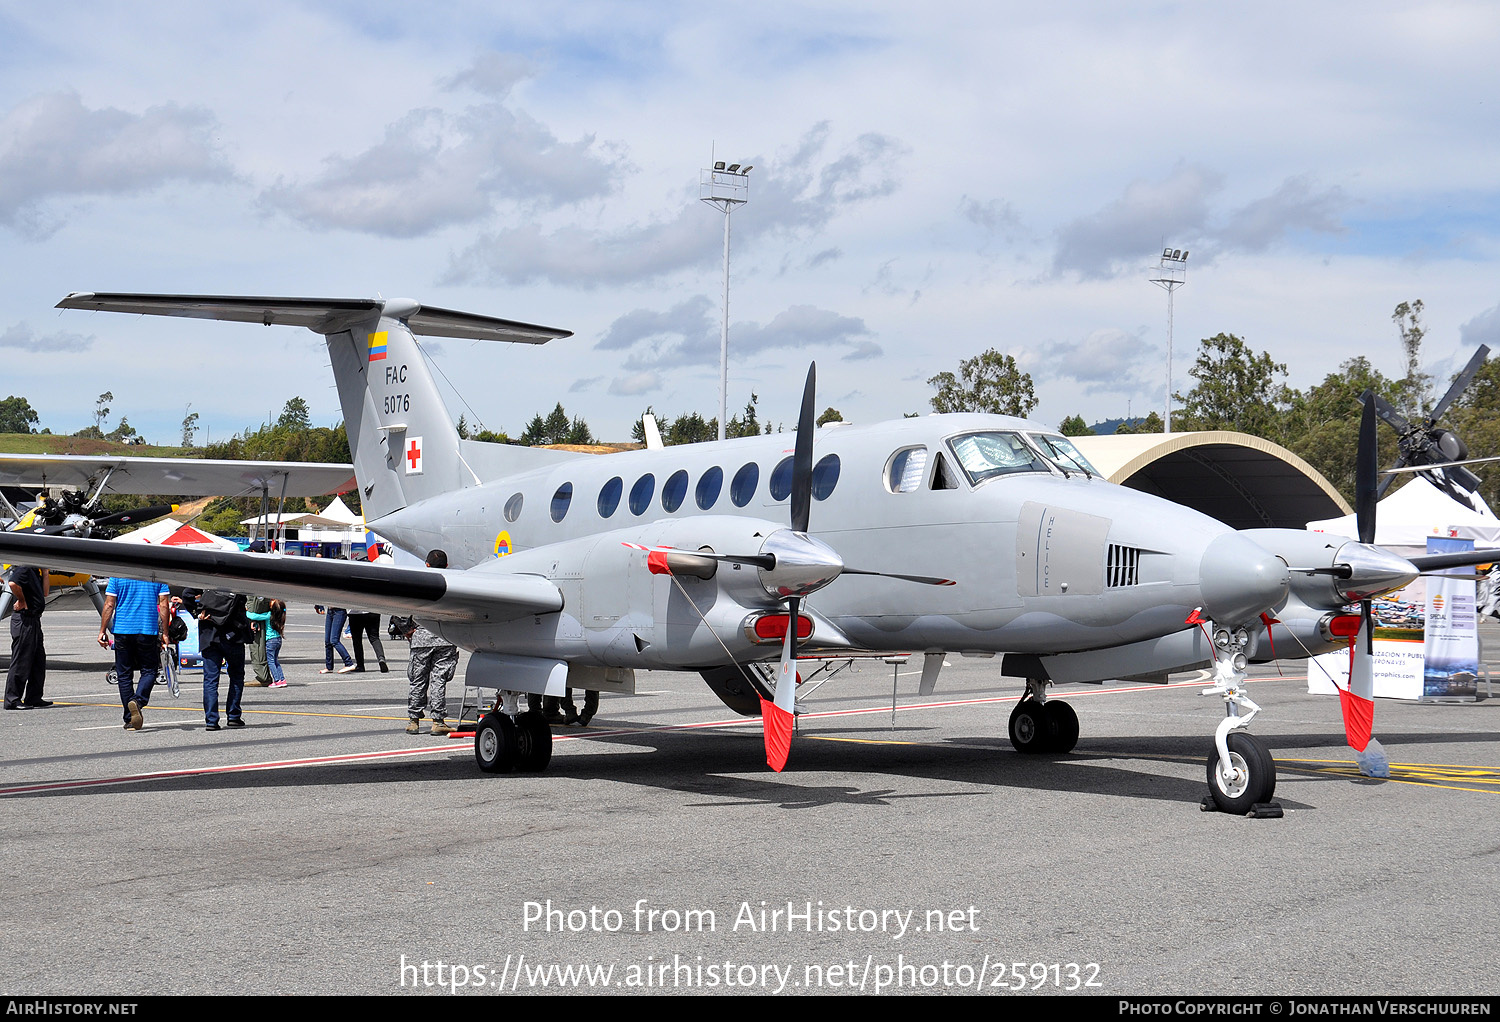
pixel 1169 275
pixel 725 188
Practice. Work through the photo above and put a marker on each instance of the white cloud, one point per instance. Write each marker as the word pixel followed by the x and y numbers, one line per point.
pixel 1482 329
pixel 52 147
pixel 686 335
pixel 434 169
pixel 1178 211
pixel 1293 206
pixel 21 336
pixel 1116 237
pixel 636 383
pixel 795 194
pixel 1107 360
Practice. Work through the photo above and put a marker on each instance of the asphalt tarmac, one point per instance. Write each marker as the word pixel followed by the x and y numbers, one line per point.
pixel 321 850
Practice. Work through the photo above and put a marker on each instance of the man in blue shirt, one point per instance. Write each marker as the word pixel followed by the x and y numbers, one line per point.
pixel 138 613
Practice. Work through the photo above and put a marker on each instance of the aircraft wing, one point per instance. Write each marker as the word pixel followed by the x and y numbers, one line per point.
pixel 426 593
pixel 321 315
pixel 187 477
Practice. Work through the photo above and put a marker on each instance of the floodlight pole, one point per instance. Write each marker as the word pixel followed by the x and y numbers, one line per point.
pixel 724 189
pixel 1169 275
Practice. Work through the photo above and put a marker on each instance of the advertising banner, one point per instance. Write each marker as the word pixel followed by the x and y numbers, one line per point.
pixel 1451 642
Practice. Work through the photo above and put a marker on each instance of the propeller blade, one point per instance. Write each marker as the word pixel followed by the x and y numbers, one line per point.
pixel 779 717
pixel 1461 559
pixel 802 458
pixel 1461 382
pixel 926 580
pixel 1359 700
pixel 1383 408
pixel 665 560
pixel 1366 475
pixel 140 514
pixel 47 530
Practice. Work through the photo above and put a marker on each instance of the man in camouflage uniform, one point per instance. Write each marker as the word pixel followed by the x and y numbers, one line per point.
pixel 428 671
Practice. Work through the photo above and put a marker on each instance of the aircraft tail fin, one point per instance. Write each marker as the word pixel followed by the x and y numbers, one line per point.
pixel 404 445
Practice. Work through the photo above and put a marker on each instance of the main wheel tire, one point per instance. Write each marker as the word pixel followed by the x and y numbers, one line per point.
pixel 1064 726
pixel 1031 729
pixel 533 742
pixel 1255 774
pixel 495 743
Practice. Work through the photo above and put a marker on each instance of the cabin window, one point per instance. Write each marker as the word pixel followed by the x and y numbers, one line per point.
pixel 825 476
pixel 609 497
pixel 560 501
pixel 513 507
pixel 641 494
pixel 707 493
pixel 781 480
pixel 994 453
pixel 905 471
pixel 743 486
pixel 673 491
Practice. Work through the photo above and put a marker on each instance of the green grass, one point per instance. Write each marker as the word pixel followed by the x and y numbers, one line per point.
pixel 40 443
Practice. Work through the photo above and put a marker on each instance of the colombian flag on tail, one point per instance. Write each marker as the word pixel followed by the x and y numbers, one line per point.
pixel 377 346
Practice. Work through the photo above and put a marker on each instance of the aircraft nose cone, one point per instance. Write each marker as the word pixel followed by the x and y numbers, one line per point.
pixel 1240 579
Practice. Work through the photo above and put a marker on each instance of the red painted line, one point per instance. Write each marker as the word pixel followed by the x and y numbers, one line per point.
pixel 230 769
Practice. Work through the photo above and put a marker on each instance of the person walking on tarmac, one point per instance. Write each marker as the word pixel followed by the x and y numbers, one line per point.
pixel 28 654
pixel 136 612
pixel 223 630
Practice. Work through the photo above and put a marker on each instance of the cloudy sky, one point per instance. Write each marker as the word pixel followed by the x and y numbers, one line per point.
pixel 930 180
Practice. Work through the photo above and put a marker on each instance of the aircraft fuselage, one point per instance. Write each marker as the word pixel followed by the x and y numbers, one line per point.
pixel 1045 557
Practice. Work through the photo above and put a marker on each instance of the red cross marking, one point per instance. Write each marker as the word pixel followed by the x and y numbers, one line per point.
pixel 413 454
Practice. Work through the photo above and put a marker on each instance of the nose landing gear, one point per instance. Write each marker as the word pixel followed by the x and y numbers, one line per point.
pixel 1241 772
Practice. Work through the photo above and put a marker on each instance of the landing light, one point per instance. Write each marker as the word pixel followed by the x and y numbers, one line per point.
pixel 771 628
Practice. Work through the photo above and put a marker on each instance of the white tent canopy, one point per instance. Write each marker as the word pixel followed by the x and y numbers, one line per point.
pixel 1416 511
pixel 338 511
pixel 171 532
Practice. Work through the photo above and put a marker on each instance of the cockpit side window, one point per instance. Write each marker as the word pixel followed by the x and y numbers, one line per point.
pixel 905 470
pixel 994 453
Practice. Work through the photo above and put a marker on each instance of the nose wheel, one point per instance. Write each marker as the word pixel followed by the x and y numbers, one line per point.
pixel 1248 779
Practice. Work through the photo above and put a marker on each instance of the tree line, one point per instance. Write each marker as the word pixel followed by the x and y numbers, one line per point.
pixel 1237 388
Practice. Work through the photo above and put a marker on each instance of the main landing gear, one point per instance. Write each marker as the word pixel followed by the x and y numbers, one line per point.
pixel 1241 772
pixel 502 744
pixel 1039 726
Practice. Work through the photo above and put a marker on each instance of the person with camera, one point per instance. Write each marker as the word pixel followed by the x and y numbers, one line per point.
pixel 223 631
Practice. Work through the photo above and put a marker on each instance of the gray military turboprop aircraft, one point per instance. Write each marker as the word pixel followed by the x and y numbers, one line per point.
pixel 975 534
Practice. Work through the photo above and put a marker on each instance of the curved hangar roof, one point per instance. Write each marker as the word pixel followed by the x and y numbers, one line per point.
pixel 1243 481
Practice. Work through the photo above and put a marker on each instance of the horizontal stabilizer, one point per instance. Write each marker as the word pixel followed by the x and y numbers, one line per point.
pixel 426 593
pixel 321 315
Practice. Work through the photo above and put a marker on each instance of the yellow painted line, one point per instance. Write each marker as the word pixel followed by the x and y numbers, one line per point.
pixel 866 741
pixel 1424 775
